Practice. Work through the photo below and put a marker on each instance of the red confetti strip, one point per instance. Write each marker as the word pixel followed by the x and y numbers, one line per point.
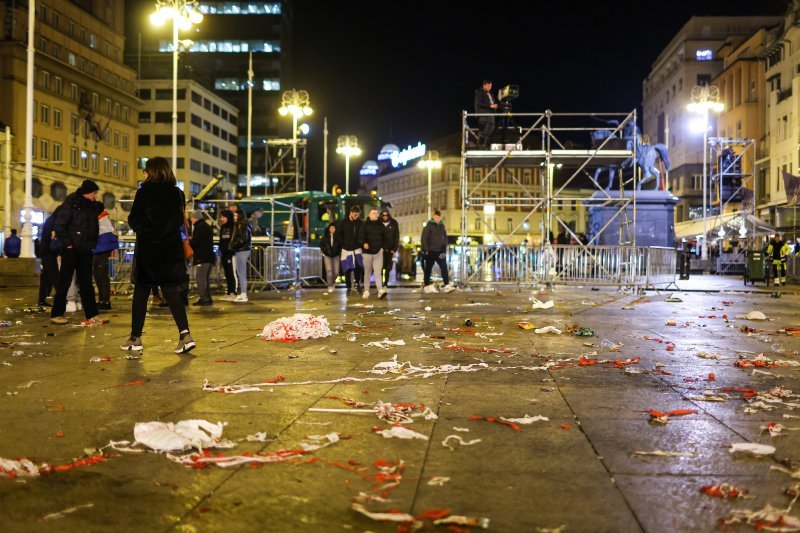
pixel 723 490
pixel 512 425
pixel 670 345
pixel 434 514
pixel 746 392
pixel 676 412
pixel 226 361
pixel 82 462
pixel 566 426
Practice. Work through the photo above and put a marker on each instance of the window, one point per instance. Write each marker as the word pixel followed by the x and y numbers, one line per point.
pixel 216 109
pixel 93 40
pixel 206 169
pixel 703 79
pixel 197 98
pixel 477 224
pixel 95 163
pixel 44 150
pixel 45 79
pixel 115 166
pixel 83 35
pixel 57 152
pixel 74 92
pixel 206 147
pixel 84 160
pixel 144 117
pixel 58 191
pixel 95 101
pixel 163 94
pixel 57 118
pixel 215 151
pixel 71 29
pixel 107 166
pixel 197 121
pixel 44 114
pixel 125 170
pixel 145 94
pixel 195 188
pixel 74 124
pixel 115 114
pixel 108 106
pixel 59 85
pixel 166 140
pixel 195 165
pixel 181 163
pixel 144 140
pixel 240 84
pixel 206 125
pixel 116 139
pixel 126 113
pixel 195 143
pixel 125 142
pixel 56 18
pixel 227 46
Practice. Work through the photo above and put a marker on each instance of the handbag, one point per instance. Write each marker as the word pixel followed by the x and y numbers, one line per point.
pixel 188 253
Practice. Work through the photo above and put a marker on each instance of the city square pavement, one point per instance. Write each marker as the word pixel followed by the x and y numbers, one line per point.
pixel 583 451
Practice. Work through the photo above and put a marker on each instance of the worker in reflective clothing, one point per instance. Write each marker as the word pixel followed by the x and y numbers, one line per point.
pixel 779 252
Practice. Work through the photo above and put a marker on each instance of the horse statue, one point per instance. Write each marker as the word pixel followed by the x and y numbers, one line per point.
pixel 648 157
pixel 630 134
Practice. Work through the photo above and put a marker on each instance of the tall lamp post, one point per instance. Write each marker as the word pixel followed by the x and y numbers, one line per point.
pixel 347 145
pixel 296 103
pixel 705 98
pixel 183 14
pixel 430 162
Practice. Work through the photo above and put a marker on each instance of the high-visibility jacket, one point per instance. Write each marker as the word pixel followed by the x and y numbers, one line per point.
pixel 779 254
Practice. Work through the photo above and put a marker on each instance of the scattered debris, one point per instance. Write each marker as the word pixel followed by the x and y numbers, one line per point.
pixel 752 448
pixel 65 512
pixel 723 490
pixel 461 441
pixel 298 326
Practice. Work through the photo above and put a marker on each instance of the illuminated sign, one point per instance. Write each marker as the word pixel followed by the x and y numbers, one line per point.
pixel 388 152
pixel 369 168
pixel 404 156
pixel 704 55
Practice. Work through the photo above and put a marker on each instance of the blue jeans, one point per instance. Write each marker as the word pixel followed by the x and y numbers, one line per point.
pixel 240 269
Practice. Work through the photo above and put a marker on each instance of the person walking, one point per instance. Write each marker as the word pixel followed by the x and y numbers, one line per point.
pixel 202 243
pixel 13 245
pixel 779 252
pixel 348 229
pixel 48 280
pixel 392 245
pixel 434 250
pixel 331 247
pixel 372 237
pixel 241 238
pixel 106 248
pixel 157 216
pixel 76 228
pixel 226 256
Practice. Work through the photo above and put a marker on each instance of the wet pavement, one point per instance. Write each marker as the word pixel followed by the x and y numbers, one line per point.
pixel 578 469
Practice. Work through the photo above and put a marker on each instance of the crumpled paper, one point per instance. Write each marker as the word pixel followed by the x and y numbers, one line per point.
pixel 401 432
pixel 296 327
pixel 752 315
pixel 537 304
pixel 185 435
pixel 385 344
pixel 548 329
pixel 752 448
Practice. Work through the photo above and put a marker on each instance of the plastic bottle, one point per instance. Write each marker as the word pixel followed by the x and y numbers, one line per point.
pixel 351 337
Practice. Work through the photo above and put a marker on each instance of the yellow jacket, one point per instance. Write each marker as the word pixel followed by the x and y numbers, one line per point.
pixel 784 251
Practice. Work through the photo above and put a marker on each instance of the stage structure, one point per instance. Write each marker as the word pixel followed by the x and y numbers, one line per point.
pixel 284 171
pixel 548 140
pixel 729 183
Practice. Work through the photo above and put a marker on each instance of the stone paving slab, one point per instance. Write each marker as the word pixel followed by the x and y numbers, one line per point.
pixel 574 470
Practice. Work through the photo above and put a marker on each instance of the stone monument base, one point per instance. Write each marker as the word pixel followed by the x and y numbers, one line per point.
pixel 655 218
pixel 19 272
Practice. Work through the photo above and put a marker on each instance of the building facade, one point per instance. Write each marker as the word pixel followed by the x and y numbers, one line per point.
pixel 207 133
pixel 85 108
pixel 217 54
pixel 690 59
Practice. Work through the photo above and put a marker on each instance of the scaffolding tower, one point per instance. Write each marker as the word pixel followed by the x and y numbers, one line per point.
pixel 285 168
pixel 545 140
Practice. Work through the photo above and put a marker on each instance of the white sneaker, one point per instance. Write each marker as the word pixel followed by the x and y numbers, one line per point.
pixel 382 293
pixel 430 288
pixel 71 307
pixel 229 297
pixel 366 294
pixel 449 288
pixel 241 298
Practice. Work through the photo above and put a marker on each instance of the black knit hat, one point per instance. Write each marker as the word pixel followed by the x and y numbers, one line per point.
pixel 227 214
pixel 88 187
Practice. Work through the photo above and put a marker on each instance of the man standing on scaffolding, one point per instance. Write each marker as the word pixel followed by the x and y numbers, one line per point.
pixel 484 103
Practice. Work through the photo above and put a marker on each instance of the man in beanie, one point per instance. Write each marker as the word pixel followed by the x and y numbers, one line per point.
pixel 76 228
pixel 202 243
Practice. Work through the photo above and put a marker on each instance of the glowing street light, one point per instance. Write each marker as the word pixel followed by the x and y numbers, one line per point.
pixel 431 161
pixel 183 14
pixel 347 145
pixel 705 98
pixel 298 104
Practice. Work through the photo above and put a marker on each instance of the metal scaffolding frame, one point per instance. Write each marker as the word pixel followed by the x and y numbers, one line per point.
pixel 740 147
pixel 289 169
pixel 547 128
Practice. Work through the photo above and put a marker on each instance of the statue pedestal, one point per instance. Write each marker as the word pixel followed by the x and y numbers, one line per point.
pixel 19 272
pixel 655 218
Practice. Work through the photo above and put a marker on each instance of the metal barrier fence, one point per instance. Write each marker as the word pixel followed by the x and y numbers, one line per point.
pixel 310 264
pixel 564 264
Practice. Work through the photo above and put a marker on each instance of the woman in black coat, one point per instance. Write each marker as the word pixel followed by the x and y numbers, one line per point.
pixel 157 217
pixel 331 247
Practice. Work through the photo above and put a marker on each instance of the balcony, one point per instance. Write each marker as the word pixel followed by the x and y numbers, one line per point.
pixel 784 94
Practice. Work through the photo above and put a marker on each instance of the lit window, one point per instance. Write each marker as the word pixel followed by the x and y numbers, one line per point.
pixel 704 55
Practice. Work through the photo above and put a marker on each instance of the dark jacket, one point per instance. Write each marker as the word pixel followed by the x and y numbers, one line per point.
pixel 434 237
pixel 374 234
pixel 225 232
pixel 157 217
pixel 349 230
pixel 240 241
pixel 46 235
pixel 202 243
pixel 392 235
pixel 330 247
pixel 76 223
pixel 483 104
pixel 13 246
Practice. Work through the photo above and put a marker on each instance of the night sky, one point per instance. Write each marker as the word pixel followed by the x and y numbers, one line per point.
pixel 402 72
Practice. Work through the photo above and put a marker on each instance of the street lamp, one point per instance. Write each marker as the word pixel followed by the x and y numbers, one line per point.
pixel 183 14
pixel 298 104
pixel 347 145
pixel 430 162
pixel 705 98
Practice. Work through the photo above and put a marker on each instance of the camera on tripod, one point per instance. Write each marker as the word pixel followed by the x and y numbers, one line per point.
pixel 505 96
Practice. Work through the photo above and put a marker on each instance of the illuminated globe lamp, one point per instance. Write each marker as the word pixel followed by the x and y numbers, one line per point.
pixel 347 145
pixel 298 104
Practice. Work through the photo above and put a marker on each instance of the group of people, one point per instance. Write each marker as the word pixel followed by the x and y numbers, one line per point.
pixel 361 248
